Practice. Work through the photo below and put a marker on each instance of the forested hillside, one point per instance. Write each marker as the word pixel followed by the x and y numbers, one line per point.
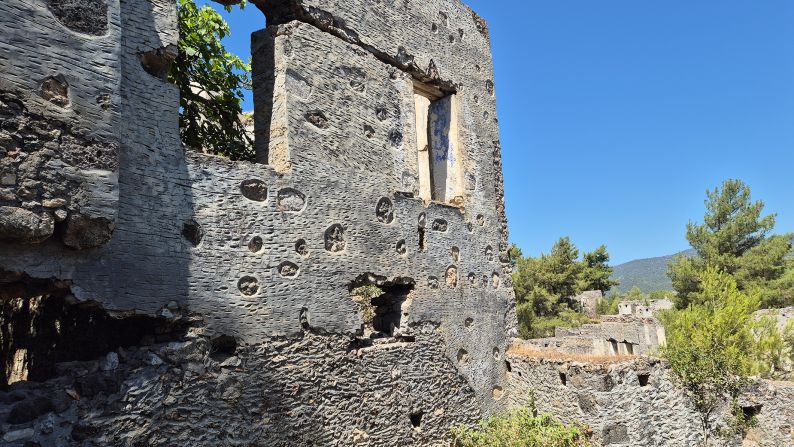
pixel 647 274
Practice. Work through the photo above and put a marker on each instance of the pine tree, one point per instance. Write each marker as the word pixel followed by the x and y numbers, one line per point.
pixel 734 238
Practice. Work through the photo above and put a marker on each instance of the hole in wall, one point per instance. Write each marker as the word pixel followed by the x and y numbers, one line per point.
pixel 384 306
pixel 508 366
pixel 248 285
pixel 440 225
pixel 255 190
pixel 290 200
pixel 643 379
pixel 192 232
pixel 416 420
pixel 288 269
pixel 432 282
pixel 317 119
pixel 255 244
pixel 384 210
pixel 462 356
pixel 157 62
pixel 563 379
pixel 303 318
pixel 751 411
pixel 222 347
pixel 613 345
pixel 335 239
pixel 396 138
pixel 83 16
pixel 55 89
pixel 629 347
pixel 301 248
pixel 42 324
pixel 452 277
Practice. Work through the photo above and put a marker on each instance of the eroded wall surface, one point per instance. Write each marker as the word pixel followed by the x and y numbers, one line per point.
pixel 635 403
pixel 265 254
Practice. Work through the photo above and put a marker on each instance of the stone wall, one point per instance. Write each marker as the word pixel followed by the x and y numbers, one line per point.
pixel 634 402
pixel 264 254
pixel 615 335
pixel 59 111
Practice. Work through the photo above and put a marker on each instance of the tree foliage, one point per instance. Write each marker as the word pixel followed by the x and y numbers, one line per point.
pixel 522 427
pixel 710 346
pixel 211 82
pixel 545 285
pixel 735 238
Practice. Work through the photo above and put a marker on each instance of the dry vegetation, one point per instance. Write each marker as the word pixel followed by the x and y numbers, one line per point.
pixel 520 349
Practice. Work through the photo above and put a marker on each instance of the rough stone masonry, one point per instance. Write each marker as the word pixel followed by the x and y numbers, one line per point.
pixel 153 296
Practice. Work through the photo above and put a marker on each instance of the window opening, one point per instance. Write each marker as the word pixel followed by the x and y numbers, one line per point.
pixel 437 144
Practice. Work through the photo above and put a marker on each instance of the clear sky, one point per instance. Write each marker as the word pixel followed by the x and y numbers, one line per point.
pixel 617 115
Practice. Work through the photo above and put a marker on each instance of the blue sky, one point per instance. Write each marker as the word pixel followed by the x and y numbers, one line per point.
pixel 616 116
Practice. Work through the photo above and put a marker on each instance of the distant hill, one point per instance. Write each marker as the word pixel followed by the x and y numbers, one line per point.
pixel 647 274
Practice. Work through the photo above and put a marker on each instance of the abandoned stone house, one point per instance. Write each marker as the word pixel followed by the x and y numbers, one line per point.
pixel 613 335
pixel 155 296
pixel 644 309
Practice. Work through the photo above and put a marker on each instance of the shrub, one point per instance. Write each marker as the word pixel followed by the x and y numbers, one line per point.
pixel 522 427
pixel 710 347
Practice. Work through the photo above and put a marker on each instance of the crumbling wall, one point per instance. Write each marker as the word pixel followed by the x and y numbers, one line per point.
pixel 310 390
pixel 265 253
pixel 614 335
pixel 635 402
pixel 59 107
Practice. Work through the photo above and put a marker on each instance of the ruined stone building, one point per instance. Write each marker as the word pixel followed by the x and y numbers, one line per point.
pixel 156 296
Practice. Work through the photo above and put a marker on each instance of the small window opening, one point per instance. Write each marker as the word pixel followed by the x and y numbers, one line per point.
pixel 613 344
pixel 643 379
pixel 437 143
pixel 629 348
pixel 383 306
pixel 751 411
pixel 508 366
pixel 563 379
pixel 416 420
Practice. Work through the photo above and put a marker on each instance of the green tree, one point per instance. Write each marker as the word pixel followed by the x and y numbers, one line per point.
pixel 514 253
pixel 545 280
pixel 608 306
pixel 596 272
pixel 709 346
pixel 545 285
pixel 211 83
pixel 734 238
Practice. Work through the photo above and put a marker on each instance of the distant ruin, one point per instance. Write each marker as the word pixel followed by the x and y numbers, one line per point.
pixel 155 296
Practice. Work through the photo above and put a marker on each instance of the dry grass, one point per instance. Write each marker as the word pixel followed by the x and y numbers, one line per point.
pixel 526 351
